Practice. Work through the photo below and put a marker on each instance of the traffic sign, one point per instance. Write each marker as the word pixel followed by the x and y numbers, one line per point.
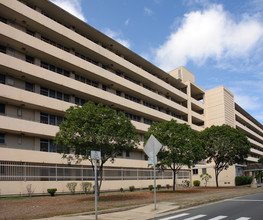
pixel 95 155
pixel 152 147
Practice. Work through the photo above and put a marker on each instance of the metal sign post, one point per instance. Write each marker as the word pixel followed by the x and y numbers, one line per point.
pixel 96 191
pixel 152 148
pixel 96 155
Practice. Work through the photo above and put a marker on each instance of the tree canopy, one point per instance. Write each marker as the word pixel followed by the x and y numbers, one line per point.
pixel 224 146
pixel 95 128
pixel 260 160
pixel 181 145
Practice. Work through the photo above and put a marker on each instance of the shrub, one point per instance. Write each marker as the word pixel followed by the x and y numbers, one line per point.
pixel 52 191
pixel 196 183
pixel 150 187
pixel 243 180
pixel 186 183
pixel 121 189
pixel 132 188
pixel 72 187
pixel 167 186
pixel 86 187
pixel 159 186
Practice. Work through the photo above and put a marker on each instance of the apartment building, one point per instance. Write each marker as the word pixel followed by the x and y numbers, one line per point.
pixel 50 60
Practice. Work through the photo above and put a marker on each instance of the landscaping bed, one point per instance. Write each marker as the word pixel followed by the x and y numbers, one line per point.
pixel 47 206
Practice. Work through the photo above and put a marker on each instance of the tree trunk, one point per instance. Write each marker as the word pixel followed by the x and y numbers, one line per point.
pixel 216 175
pixel 174 180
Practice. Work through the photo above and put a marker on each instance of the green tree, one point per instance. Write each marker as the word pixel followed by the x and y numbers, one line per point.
pixel 224 146
pixel 205 177
pixel 95 128
pixel 260 160
pixel 181 146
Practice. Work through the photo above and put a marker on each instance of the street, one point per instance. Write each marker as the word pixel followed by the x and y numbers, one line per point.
pixel 242 208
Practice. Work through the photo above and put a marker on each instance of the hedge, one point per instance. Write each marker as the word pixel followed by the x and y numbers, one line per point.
pixel 243 180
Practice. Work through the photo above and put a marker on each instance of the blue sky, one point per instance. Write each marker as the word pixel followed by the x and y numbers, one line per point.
pixel 221 42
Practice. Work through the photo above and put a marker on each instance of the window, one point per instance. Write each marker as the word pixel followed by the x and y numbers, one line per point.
pixel 2 108
pixel 195 171
pixel 30 32
pixel 104 87
pixel 127 153
pixel 30 59
pixel 59 95
pixel 3 20
pixel 132 98
pixel 203 170
pixel 79 101
pixel 52 119
pixel 52 93
pixel 54 68
pixel 2 138
pixel 43 118
pixel 47 145
pixel 66 97
pixel 59 120
pixel 29 86
pixel 2 78
pixel 44 145
pixel 52 147
pixel 133 117
pixel 118 92
pixel 147 121
pixel 2 49
pixel 43 91
pixel 44 65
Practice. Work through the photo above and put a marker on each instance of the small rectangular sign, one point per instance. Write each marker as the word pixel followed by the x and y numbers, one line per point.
pixel 95 155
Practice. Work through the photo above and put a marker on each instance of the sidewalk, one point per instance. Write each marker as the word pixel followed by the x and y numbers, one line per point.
pixel 147 211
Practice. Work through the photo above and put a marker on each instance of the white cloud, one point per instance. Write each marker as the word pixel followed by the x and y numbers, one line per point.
pixel 71 6
pixel 116 36
pixel 209 34
pixel 148 11
pixel 245 96
pixel 127 21
pixel 248 102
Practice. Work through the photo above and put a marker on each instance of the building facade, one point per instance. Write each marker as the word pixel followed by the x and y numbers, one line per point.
pixel 50 60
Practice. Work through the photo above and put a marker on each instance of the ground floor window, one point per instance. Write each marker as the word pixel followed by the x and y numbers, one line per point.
pixel 195 171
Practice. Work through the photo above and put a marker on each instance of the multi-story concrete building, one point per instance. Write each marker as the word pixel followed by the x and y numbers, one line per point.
pixel 51 60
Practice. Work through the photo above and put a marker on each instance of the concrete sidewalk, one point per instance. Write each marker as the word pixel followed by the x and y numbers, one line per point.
pixel 147 211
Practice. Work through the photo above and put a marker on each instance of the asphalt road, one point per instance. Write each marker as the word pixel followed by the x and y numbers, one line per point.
pixel 242 208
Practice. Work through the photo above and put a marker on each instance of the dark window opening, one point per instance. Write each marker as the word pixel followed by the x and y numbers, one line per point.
pixel 29 86
pixel 2 138
pixel 2 108
pixel 2 78
pixel 30 59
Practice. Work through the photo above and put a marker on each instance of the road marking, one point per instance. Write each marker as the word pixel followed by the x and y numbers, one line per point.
pixel 243 218
pixel 175 216
pixel 195 217
pixel 218 217
pixel 246 200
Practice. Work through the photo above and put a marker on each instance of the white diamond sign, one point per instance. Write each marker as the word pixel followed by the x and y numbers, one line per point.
pixel 152 147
